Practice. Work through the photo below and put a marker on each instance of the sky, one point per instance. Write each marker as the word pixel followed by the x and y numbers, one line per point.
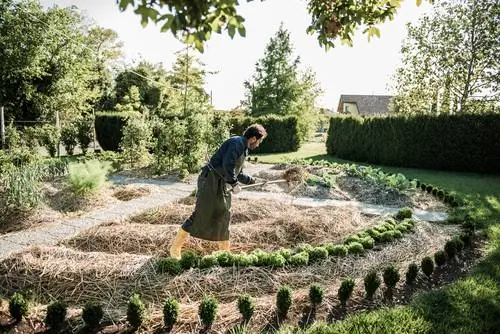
pixel 366 68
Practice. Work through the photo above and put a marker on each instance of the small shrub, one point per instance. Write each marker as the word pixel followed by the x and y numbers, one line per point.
pixel 135 311
pixel 22 190
pixel 427 266
pixel 169 266
pixel 246 306
pixel 423 186
pixel 355 248
pixel 411 273
pixel 208 311
pixel 300 259
pixel 85 133
pixel 368 242
pixel 69 138
pixel 318 253
pixel 276 260
pixel 374 234
pixel 18 306
pixel 387 236
pixel 440 258
pixel 225 258
pixel 316 294
pixel 92 314
pixel 338 250
pixel 440 194
pixel 391 276
pixel 450 248
pixel 189 260
pixel 208 261
pixel 429 188
pixel 404 213
pixel 170 313
pixel 304 248
pixel 397 234
pixel 402 228
pixel 434 191
pixel 56 314
pixel 244 260
pixel 352 238
pixel 286 253
pixel 380 229
pixel 88 177
pixel 372 283
pixel 283 301
pixel 459 244
pixel 345 291
pixel 262 257
pixel 466 239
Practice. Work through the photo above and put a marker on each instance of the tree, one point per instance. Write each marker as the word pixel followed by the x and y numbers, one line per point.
pixel 44 64
pixel 277 86
pixel 195 21
pixel 449 58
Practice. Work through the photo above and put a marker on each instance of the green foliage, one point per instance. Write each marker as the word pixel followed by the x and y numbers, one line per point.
pixel 224 258
pixel 69 137
pixel 352 238
pixel 355 248
pixel 87 177
pixel 318 253
pixel 345 291
pixel 391 276
pixel 450 248
pixel 372 283
pixel 284 128
pixel 411 273
pixel 189 260
pixel 387 236
pixel 49 138
pixel 136 141
pixel 367 242
pixel 13 138
pixel 208 311
pixel 299 259
pixel 208 261
pixel 136 311
pixel 316 294
pixel 18 306
pixel 337 250
pixel 404 213
pixel 376 176
pixel 427 266
pixel 246 306
pixel 169 144
pixel 109 129
pixel 85 133
pixel 440 258
pixel 276 260
pixel 413 143
pixel 92 314
pixel 168 265
pixel 283 301
pixel 22 188
pixel 170 313
pixel 56 314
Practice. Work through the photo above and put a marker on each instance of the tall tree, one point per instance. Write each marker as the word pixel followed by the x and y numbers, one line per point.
pixel 195 21
pixel 278 87
pixel 450 58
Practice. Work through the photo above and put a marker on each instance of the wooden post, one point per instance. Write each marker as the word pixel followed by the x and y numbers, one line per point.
pixel 58 126
pixel 2 126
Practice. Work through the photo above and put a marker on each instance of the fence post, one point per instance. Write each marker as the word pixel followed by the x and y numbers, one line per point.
pixel 58 126
pixel 2 126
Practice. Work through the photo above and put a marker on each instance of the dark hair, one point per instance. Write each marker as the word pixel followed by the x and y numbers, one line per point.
pixel 255 130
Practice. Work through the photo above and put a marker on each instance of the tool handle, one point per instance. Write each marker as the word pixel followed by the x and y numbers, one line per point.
pixel 262 183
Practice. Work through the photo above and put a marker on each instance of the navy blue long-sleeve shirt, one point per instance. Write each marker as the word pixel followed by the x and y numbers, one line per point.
pixel 224 160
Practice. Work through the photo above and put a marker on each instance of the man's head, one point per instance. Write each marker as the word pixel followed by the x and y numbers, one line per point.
pixel 255 134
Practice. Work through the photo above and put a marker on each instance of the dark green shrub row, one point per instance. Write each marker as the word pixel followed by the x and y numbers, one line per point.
pixel 440 194
pixel 282 132
pixel 304 254
pixel 462 142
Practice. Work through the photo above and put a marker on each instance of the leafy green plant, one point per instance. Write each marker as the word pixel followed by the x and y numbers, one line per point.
pixel 404 213
pixel 92 314
pixel 368 242
pixel 69 138
pixel 411 273
pixel 208 261
pixel 225 258
pixel 355 248
pixel 22 186
pixel 299 259
pixel 170 313
pixel 136 141
pixel 283 301
pixel 189 260
pixel 87 177
pixel 372 283
pixel 337 250
pixel 49 138
pixel 387 236
pixel 316 294
pixel 345 291
pixel 391 278
pixel 450 248
pixel 136 311
pixel 276 260
pixel 352 238
pixel 85 133
pixel 18 306
pixel 168 265
pixel 440 258
pixel 246 306
pixel 427 266
pixel 208 311
pixel 318 253
pixel 56 314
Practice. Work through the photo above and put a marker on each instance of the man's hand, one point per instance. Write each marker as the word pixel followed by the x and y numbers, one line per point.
pixel 236 188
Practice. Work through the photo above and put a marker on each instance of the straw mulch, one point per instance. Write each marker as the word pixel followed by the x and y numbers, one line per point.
pixel 129 192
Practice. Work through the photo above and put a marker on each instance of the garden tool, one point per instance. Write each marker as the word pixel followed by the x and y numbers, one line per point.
pixel 263 183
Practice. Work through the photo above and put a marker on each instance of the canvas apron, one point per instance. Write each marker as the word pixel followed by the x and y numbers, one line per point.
pixel 212 214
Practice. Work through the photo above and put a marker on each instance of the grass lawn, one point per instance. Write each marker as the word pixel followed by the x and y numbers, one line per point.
pixel 470 305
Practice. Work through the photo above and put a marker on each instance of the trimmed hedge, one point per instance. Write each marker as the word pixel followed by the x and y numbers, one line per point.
pixel 463 142
pixel 109 129
pixel 282 132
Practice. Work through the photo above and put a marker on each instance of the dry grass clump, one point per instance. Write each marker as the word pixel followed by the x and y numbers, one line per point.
pixel 129 192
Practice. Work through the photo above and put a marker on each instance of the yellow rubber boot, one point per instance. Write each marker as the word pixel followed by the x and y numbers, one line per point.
pixel 224 245
pixel 180 239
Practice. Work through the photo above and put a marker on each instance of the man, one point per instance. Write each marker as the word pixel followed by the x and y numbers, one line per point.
pixel 219 178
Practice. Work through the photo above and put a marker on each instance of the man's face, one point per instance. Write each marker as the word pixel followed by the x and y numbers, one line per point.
pixel 253 143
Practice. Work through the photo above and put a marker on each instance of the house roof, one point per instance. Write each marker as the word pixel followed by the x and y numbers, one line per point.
pixel 368 104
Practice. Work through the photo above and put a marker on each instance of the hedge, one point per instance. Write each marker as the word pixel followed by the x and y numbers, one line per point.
pixel 109 129
pixel 463 142
pixel 282 132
